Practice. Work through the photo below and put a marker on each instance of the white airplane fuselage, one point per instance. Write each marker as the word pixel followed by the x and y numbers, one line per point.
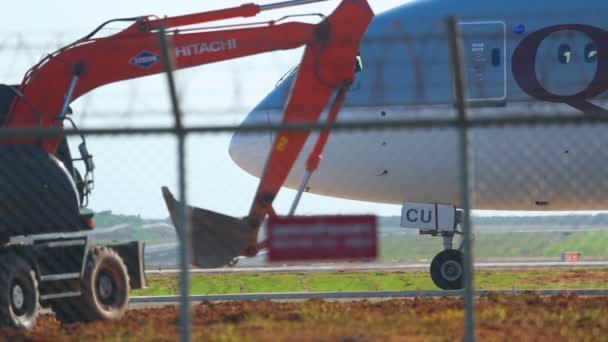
pixel 518 63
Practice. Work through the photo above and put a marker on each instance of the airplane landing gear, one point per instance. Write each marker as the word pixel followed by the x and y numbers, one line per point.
pixel 447 267
pixel 447 270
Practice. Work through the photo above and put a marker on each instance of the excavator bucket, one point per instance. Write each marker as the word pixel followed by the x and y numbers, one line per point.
pixel 214 239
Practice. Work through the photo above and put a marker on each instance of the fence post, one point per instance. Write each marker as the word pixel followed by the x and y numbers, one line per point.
pixel 460 87
pixel 182 223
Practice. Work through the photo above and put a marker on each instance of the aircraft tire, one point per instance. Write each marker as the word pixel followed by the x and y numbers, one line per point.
pixel 447 270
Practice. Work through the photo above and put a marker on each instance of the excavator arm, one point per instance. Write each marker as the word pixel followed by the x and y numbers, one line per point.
pixel 327 67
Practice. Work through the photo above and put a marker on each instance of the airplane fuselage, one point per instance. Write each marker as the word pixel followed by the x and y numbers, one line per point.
pixel 521 58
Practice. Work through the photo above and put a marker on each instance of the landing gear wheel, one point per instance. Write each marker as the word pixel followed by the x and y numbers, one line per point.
pixel 447 270
pixel 105 285
pixel 18 293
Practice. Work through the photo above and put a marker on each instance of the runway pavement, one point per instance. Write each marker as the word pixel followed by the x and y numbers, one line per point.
pixel 380 267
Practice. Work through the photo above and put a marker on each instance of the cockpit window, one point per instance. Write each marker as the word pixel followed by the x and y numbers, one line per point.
pixel 359 64
pixel 564 54
pixel 358 68
pixel 590 53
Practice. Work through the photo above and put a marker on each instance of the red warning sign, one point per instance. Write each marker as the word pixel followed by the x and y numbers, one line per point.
pixel 303 238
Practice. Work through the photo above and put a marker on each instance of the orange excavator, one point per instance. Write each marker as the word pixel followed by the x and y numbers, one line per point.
pixel 44 256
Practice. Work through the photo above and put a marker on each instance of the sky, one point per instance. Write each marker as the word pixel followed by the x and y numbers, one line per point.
pixel 131 170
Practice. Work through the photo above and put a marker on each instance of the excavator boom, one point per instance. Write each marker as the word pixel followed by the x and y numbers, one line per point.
pixel 134 53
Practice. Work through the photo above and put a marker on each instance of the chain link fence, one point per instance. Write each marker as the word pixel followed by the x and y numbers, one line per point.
pixel 455 114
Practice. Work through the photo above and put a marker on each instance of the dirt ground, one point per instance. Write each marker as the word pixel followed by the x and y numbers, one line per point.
pixel 575 276
pixel 526 317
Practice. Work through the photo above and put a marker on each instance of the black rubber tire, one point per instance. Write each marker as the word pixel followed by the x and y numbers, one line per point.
pixel 16 271
pixel 447 270
pixel 104 265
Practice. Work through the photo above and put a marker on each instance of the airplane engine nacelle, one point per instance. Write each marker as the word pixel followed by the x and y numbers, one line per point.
pixel 37 194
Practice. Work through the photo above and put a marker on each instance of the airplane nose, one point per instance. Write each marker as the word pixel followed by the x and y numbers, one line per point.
pixel 249 150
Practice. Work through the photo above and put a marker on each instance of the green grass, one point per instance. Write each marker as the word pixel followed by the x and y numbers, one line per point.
pixel 500 245
pixel 590 243
pixel 220 284
pixel 372 281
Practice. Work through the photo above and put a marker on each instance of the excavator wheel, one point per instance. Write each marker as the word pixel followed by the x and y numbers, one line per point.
pixel 104 290
pixel 105 285
pixel 18 293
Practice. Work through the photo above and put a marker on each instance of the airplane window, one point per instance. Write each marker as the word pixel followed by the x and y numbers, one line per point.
pixel 496 57
pixel 564 54
pixel 359 64
pixel 590 53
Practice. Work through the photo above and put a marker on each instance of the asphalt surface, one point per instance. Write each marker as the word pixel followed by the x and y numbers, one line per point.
pixel 380 267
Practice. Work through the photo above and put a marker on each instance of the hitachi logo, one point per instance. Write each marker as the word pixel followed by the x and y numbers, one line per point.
pixel 202 48
pixel 145 59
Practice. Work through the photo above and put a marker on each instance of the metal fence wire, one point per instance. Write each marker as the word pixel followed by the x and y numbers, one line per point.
pixel 427 120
